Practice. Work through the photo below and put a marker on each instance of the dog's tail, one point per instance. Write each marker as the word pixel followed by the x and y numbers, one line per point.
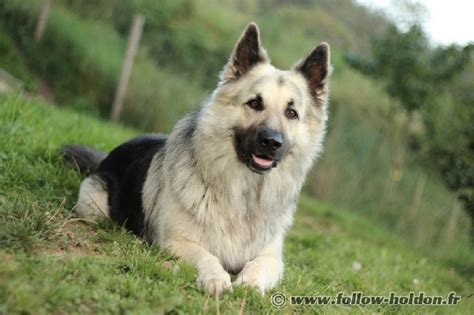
pixel 85 159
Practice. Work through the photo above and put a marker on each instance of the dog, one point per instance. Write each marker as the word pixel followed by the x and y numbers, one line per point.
pixel 221 190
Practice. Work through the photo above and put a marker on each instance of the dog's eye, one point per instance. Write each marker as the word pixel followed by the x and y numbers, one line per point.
pixel 291 114
pixel 256 103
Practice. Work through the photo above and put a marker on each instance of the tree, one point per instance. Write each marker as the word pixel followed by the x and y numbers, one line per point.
pixel 437 83
pixel 399 59
pixel 449 137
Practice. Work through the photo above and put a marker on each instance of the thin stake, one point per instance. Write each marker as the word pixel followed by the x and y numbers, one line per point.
pixel 417 195
pixel 42 19
pixel 132 48
pixel 451 227
pixel 244 301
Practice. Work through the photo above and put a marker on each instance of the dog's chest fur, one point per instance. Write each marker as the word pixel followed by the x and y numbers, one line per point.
pixel 216 203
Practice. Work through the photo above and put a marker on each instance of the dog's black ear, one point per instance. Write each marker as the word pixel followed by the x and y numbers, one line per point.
pixel 247 53
pixel 316 69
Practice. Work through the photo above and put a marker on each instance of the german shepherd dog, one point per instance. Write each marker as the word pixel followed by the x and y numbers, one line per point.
pixel 221 190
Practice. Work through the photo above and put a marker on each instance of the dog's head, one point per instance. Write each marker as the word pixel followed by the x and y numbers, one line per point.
pixel 271 114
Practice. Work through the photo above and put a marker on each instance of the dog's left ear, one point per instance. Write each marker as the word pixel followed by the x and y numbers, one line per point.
pixel 247 53
pixel 316 69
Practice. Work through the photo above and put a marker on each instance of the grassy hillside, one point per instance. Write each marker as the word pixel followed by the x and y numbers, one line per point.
pixel 53 262
pixel 184 45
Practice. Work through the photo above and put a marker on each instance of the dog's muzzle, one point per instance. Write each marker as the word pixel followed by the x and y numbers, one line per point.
pixel 260 148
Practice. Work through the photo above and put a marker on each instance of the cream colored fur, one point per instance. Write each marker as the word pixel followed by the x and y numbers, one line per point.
pixel 93 199
pixel 219 215
pixel 206 206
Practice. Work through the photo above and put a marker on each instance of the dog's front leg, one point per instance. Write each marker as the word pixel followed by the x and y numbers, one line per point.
pixel 211 275
pixel 265 270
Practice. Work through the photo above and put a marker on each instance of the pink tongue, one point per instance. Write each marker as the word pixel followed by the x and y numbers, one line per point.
pixel 261 161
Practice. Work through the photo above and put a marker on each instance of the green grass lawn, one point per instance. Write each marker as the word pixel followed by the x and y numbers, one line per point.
pixel 53 262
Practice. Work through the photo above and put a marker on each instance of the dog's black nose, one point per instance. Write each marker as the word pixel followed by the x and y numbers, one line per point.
pixel 270 139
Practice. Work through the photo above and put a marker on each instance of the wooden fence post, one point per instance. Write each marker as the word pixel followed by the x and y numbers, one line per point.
pixel 132 48
pixel 42 19
pixel 416 200
pixel 451 227
pixel 397 150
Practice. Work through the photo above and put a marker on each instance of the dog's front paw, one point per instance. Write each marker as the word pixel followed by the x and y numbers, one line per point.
pixel 214 282
pixel 253 276
pixel 261 273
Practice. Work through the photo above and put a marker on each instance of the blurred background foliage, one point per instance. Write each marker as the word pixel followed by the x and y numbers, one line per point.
pixel 401 139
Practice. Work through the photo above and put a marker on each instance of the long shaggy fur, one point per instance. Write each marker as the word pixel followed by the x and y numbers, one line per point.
pixel 197 194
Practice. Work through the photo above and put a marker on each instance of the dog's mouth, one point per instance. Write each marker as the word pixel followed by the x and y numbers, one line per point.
pixel 248 152
pixel 261 164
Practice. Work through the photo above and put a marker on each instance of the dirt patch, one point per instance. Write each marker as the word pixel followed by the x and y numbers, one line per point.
pixel 73 238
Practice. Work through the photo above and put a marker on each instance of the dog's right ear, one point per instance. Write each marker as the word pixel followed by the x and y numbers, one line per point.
pixel 247 53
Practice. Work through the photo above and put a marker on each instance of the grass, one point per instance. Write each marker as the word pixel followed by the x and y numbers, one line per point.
pixel 52 262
